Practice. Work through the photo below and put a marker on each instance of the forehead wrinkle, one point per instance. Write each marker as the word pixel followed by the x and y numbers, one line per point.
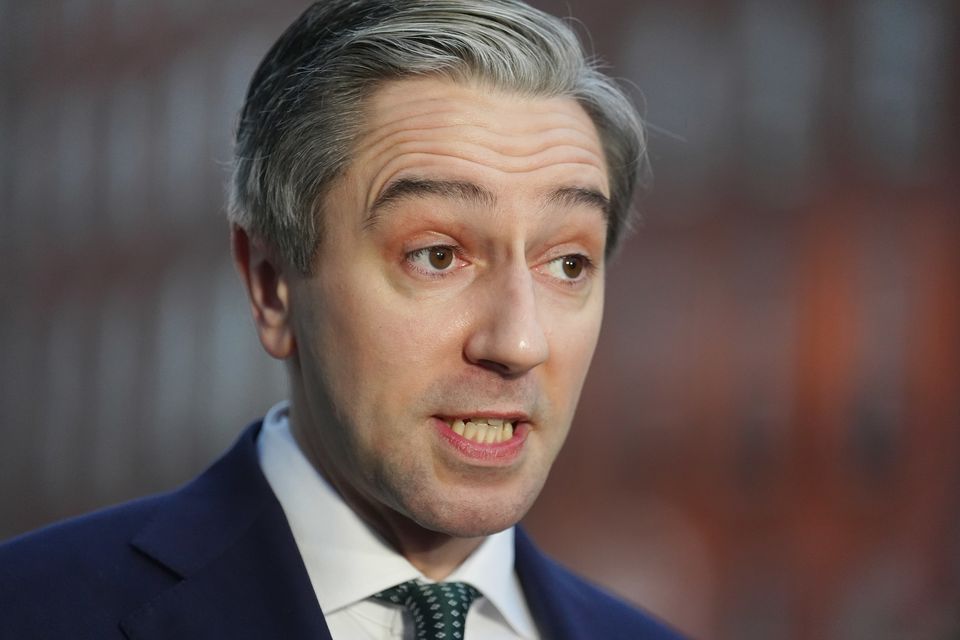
pixel 480 108
pixel 549 122
pixel 384 125
pixel 446 132
pixel 502 144
pixel 475 154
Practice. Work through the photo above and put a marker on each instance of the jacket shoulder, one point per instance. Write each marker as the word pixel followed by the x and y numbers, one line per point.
pixel 567 605
pixel 74 578
pixel 82 577
pixel 78 540
pixel 610 613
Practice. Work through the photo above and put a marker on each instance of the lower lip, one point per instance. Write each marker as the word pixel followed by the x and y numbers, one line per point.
pixel 493 454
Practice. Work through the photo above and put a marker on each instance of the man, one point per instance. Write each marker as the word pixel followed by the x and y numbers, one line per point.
pixel 424 198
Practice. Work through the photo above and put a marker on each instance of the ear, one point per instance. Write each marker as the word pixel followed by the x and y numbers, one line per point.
pixel 268 289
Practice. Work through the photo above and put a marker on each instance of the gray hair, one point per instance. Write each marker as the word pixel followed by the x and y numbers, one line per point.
pixel 304 108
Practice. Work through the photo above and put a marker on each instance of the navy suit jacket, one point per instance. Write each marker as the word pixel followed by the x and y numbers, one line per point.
pixel 216 559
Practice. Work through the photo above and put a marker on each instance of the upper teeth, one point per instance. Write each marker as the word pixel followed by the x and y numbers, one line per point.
pixel 484 430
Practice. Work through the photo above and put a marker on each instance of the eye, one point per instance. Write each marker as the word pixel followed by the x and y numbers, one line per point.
pixel 434 259
pixel 570 268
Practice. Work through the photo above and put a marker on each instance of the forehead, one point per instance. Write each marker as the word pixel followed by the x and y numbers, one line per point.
pixel 433 128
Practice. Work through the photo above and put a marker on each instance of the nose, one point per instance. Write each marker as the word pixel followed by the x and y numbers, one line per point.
pixel 508 335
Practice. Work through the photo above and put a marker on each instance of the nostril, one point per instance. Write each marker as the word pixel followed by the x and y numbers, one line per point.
pixel 499 368
pixel 493 365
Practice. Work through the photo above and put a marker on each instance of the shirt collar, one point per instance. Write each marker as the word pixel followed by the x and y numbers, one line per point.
pixel 490 569
pixel 347 561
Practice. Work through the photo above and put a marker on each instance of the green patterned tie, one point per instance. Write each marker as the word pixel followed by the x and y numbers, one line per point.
pixel 439 610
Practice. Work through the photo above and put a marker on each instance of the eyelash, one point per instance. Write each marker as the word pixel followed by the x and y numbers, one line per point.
pixel 416 253
pixel 589 267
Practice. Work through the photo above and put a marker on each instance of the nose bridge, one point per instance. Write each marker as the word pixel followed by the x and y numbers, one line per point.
pixel 509 334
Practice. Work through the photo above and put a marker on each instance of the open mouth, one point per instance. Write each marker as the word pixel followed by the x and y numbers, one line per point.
pixel 483 430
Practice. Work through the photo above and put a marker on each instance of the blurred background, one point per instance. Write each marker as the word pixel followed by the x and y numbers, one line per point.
pixel 768 444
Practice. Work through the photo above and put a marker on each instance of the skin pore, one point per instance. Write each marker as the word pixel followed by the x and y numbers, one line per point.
pixel 460 276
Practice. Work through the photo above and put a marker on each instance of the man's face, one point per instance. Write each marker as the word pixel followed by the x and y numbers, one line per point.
pixel 460 279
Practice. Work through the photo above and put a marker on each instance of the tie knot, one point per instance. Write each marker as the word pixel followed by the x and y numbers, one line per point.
pixel 439 610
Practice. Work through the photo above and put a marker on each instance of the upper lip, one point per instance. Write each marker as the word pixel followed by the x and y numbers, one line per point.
pixel 506 416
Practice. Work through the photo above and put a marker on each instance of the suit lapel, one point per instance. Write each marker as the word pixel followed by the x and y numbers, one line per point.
pixel 226 539
pixel 544 588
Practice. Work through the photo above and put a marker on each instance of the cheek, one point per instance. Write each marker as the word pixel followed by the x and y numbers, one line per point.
pixel 572 345
pixel 387 348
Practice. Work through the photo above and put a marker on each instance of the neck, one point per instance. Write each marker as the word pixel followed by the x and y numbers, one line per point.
pixel 435 555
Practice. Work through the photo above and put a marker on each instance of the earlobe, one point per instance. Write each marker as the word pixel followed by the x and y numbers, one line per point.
pixel 267 286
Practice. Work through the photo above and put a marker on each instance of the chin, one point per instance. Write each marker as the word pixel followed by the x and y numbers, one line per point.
pixel 471 518
pixel 468 527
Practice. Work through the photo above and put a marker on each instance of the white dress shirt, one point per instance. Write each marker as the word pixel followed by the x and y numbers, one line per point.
pixel 347 562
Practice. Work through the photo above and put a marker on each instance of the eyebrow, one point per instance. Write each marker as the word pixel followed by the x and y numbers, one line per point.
pixel 580 196
pixel 408 188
